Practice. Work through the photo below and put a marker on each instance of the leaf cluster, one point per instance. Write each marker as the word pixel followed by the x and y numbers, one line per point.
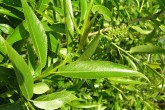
pixel 82 54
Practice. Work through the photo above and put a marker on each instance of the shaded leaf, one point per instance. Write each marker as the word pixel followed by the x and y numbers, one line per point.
pixel 54 100
pixel 147 49
pixel 18 105
pixel 90 48
pixel 19 33
pixel 58 28
pixel 102 10
pixel 43 4
pixel 150 36
pixel 97 69
pixel 140 30
pixel 24 76
pixel 53 43
pixel 16 3
pixel 6 75
pixel 9 13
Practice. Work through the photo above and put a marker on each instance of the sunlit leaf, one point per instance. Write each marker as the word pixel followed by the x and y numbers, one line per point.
pixel 162 27
pixel 6 28
pixel 54 100
pixel 40 88
pixel 37 34
pixel 140 30
pixel 97 69
pixel 147 49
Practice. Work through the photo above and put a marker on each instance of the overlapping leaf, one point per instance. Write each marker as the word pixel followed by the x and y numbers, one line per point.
pixel 37 34
pixel 24 76
pixel 90 49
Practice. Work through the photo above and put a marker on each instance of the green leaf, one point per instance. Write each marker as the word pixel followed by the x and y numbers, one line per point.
pixel 90 48
pixel 37 34
pixel 69 23
pixel 84 106
pixel 9 13
pixel 97 69
pixel 14 3
pixel 45 17
pixel 150 36
pixel 7 75
pixel 53 43
pixel 147 49
pixel 131 63
pixel 60 28
pixel 1 57
pixel 140 30
pixel 162 27
pixel 87 25
pixel 102 10
pixel 43 4
pixel 54 100
pixel 125 81
pixel 40 88
pixel 23 74
pixel 85 32
pixel 83 4
pixel 19 33
pixel 6 28
pixel 18 105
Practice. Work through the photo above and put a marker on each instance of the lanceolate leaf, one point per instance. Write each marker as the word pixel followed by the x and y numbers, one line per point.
pixel 102 10
pixel 24 76
pixel 87 25
pixel 37 34
pixel 19 33
pixel 54 100
pixel 83 4
pixel 6 28
pixel 86 32
pixel 147 49
pixel 90 48
pixel 69 23
pixel 97 69
pixel 43 4
pixel 140 30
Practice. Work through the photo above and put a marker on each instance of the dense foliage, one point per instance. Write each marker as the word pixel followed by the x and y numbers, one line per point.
pixel 82 54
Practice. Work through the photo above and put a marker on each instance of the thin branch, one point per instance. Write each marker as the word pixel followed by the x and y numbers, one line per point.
pixel 131 22
pixel 148 17
pixel 102 30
